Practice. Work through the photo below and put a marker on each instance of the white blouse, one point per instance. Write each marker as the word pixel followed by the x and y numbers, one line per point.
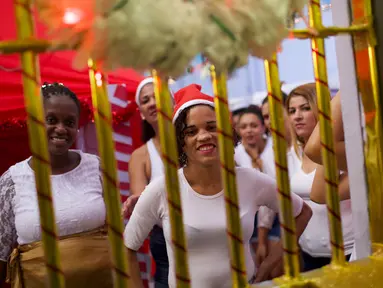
pixel 77 199
pixel 205 224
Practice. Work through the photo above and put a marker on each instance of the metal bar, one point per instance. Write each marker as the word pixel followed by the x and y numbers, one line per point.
pixel 291 254
pixel 103 121
pixel 39 145
pixel 353 134
pixel 324 32
pixel 171 164
pixel 327 139
pixel 364 47
pixel 226 151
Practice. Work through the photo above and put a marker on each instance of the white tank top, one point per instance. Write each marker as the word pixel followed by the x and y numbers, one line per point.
pixel 315 240
pixel 156 165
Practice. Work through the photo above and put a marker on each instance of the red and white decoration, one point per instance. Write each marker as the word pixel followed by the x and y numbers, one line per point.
pixel 124 137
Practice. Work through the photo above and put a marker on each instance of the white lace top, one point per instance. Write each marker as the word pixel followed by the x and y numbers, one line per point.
pixel 77 197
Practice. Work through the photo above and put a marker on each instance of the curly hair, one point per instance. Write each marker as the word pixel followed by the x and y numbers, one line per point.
pixel 180 125
pixel 57 89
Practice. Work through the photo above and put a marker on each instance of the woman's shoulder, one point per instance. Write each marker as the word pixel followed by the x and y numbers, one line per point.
pixel 140 153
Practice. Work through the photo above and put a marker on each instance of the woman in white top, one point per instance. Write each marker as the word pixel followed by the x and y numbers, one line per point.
pixel 78 204
pixel 268 228
pixel 145 165
pixel 203 200
pixel 315 241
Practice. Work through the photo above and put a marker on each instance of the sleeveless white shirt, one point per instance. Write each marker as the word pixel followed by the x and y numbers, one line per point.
pixel 156 165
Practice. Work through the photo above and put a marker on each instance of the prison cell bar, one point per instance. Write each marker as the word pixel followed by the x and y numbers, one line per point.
pixel 226 151
pixel 327 139
pixel 39 145
pixel 103 121
pixel 364 49
pixel 276 108
pixel 169 155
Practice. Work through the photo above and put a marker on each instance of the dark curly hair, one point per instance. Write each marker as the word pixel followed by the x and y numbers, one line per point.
pixel 180 125
pixel 57 89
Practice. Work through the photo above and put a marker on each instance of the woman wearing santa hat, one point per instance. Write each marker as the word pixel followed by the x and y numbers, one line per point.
pixel 203 201
pixel 145 165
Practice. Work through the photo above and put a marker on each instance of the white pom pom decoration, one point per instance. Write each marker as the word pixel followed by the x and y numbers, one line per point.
pixel 167 34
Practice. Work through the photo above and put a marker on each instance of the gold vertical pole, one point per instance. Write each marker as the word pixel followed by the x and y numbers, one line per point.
pixel 103 121
pixel 327 141
pixel 226 151
pixel 368 82
pixel 39 145
pixel 290 247
pixel 170 158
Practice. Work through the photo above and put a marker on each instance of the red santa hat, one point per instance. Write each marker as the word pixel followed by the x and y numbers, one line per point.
pixel 189 96
pixel 144 82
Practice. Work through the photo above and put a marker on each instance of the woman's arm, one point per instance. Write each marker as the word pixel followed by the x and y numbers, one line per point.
pixel 138 180
pixel 318 190
pixel 272 266
pixel 8 236
pixel 134 269
pixel 148 211
pixel 137 176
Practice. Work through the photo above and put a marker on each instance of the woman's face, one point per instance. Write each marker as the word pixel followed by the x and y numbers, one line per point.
pixel 61 120
pixel 251 129
pixel 266 115
pixel 200 132
pixel 147 105
pixel 302 117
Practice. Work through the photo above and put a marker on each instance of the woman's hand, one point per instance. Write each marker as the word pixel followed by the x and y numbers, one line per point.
pixel 260 254
pixel 254 155
pixel 272 266
pixel 128 206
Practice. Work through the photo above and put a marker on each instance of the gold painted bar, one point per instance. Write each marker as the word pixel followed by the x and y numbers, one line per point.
pixel 327 139
pixel 226 151
pixel 290 246
pixel 103 121
pixel 169 154
pixel 39 145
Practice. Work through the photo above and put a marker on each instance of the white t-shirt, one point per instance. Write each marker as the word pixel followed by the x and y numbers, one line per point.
pixel 243 159
pixel 315 240
pixel 265 215
pixel 205 224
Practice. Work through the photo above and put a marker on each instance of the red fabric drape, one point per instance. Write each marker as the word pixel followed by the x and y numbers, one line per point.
pixel 54 67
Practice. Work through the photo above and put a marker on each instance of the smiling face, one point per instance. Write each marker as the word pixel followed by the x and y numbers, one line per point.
pixel 61 120
pixel 200 136
pixel 251 129
pixel 302 117
pixel 147 105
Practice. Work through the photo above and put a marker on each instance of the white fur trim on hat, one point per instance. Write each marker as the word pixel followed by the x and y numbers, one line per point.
pixel 192 103
pixel 140 86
